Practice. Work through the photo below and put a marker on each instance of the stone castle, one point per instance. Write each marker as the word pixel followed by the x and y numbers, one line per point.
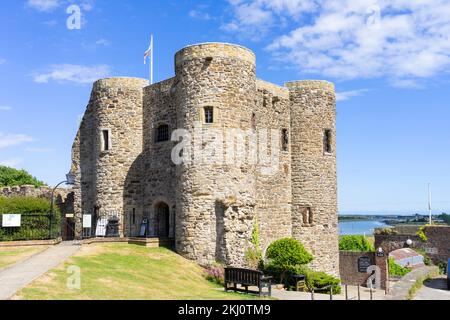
pixel 123 162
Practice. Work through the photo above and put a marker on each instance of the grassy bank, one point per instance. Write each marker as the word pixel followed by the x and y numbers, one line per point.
pixel 122 271
pixel 9 256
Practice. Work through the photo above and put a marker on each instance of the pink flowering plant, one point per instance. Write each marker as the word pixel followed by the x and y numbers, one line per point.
pixel 215 274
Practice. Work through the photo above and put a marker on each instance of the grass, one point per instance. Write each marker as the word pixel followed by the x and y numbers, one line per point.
pixel 127 272
pixel 9 256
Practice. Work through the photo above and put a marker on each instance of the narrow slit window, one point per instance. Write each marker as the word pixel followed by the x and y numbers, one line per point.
pixel 209 115
pixel 105 140
pixel 162 133
pixel 327 141
pixel 285 139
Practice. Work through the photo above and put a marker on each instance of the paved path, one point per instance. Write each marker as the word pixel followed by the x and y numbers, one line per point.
pixel 23 273
pixel 435 289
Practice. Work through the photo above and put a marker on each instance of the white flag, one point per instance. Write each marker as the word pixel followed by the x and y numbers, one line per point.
pixel 149 51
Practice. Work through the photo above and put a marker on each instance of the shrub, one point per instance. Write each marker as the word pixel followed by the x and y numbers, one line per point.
pixel 284 256
pixel 215 274
pixel 355 243
pixel 10 177
pixel 396 269
pixel 320 280
pixel 421 234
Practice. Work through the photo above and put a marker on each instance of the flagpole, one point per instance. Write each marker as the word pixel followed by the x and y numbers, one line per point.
pixel 429 203
pixel 151 60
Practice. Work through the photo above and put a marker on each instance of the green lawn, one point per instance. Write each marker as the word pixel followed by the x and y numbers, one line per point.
pixel 122 271
pixel 9 256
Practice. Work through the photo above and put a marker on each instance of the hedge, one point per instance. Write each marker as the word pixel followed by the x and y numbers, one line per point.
pixel 35 219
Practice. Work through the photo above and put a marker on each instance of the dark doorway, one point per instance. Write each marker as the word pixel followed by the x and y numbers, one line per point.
pixel 163 220
pixel 70 229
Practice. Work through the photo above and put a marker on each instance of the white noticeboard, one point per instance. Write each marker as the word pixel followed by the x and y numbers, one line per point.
pixel 87 221
pixel 11 220
pixel 101 227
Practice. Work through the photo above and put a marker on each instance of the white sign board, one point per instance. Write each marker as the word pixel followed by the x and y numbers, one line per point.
pixel 101 227
pixel 87 221
pixel 11 220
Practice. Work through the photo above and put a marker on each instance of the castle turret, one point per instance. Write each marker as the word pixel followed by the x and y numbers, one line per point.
pixel 215 200
pixel 314 179
pixel 111 140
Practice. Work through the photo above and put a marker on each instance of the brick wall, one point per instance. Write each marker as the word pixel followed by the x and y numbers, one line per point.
pixel 348 264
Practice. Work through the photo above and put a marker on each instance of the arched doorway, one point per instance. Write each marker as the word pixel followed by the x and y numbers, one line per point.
pixel 162 220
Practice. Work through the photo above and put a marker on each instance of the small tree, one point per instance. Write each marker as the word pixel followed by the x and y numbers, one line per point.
pixel 286 255
pixel 253 255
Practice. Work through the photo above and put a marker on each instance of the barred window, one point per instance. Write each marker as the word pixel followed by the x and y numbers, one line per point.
pixel 162 133
pixel 209 115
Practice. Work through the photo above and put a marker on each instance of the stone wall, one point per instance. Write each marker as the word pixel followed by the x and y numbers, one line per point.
pixel 437 245
pixel 348 266
pixel 32 191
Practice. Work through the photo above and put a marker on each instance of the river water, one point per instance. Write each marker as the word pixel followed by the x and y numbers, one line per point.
pixel 360 227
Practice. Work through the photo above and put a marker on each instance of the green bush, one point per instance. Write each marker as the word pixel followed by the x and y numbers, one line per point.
pixel 355 243
pixel 284 256
pixel 35 227
pixel 10 177
pixel 320 280
pixel 396 269
pixel 287 253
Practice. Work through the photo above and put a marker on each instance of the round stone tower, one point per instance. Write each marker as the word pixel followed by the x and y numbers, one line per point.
pixel 215 93
pixel 116 104
pixel 314 179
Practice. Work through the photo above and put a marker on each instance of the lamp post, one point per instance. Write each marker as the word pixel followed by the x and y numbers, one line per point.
pixel 70 180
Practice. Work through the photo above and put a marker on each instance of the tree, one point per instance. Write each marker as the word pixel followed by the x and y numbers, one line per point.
pixel 10 177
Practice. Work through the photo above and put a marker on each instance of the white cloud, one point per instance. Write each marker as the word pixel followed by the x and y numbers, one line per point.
pixel 44 5
pixel 2 61
pixel 13 163
pixel 5 108
pixel 73 73
pixel 347 95
pixel 200 15
pixel 103 42
pixel 9 140
pixel 398 39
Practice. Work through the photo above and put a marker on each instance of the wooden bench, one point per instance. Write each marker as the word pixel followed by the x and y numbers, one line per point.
pixel 247 278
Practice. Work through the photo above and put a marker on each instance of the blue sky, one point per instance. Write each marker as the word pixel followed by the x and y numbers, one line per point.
pixel 390 61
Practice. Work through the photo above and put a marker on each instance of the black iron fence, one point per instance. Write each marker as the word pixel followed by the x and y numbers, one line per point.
pixel 31 227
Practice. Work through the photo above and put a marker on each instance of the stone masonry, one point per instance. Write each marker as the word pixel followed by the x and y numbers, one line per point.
pixel 210 204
